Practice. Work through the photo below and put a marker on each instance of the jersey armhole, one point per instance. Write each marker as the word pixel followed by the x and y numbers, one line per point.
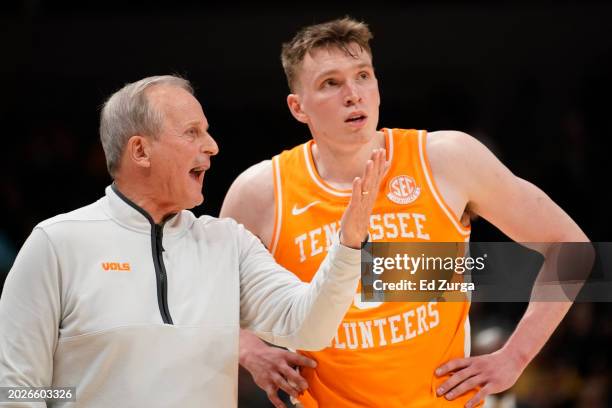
pixel 455 220
pixel 278 204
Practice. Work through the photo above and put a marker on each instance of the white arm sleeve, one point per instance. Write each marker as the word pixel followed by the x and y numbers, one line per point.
pixel 285 311
pixel 30 313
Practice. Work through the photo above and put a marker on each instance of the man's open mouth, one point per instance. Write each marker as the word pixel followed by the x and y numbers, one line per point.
pixel 356 118
pixel 197 173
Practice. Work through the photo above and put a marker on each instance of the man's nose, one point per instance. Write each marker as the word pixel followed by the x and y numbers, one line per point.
pixel 209 146
pixel 352 95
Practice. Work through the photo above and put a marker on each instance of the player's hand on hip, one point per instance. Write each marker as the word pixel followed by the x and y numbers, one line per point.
pixel 356 217
pixel 273 368
pixel 495 372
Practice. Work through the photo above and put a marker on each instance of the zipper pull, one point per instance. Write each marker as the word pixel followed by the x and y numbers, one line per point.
pixel 159 233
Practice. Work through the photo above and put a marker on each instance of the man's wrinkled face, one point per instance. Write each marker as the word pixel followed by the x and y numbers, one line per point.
pixel 181 153
pixel 338 93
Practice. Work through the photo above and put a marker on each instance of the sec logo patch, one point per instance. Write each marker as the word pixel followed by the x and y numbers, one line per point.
pixel 403 190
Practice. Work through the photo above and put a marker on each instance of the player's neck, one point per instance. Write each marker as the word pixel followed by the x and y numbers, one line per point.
pixel 339 164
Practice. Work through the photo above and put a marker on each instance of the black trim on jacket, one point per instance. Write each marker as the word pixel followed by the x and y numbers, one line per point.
pixel 157 233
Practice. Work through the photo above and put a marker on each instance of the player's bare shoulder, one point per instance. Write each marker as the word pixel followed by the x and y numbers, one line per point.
pixel 451 164
pixel 454 155
pixel 250 200
pixel 445 147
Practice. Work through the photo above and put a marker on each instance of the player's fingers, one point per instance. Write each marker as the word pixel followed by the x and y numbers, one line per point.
pixel 380 161
pixel 357 195
pixel 371 174
pixel 454 380
pixel 380 167
pixel 385 164
pixel 452 365
pixel 376 176
pixel 480 395
pixel 300 360
pixel 464 387
pixel 282 383
pixel 376 159
pixel 368 175
pixel 274 399
pixel 294 379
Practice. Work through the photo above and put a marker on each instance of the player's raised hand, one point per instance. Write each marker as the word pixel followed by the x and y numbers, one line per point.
pixel 356 217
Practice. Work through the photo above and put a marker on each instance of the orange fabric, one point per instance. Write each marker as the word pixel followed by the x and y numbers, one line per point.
pixel 384 355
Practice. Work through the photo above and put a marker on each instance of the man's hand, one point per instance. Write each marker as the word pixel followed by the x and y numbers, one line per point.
pixel 273 368
pixel 495 372
pixel 356 217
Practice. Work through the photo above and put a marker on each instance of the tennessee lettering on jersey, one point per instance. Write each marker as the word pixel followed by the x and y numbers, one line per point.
pixel 389 350
pixel 383 227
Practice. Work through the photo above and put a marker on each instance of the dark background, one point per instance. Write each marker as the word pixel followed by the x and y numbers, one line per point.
pixel 532 80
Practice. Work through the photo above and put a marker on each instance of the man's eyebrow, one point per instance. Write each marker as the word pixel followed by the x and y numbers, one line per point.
pixel 327 73
pixel 194 123
pixel 334 71
pixel 364 65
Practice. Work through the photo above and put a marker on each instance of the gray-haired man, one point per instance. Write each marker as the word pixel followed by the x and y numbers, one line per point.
pixel 135 301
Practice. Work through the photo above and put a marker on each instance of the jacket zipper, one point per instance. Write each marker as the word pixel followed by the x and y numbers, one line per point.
pixel 157 249
pixel 157 233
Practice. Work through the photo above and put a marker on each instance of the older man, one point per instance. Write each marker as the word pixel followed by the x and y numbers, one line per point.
pixel 136 302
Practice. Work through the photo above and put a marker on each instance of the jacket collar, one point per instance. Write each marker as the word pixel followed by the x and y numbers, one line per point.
pixel 131 216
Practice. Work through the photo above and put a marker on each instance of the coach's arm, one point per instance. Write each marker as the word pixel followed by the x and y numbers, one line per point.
pixel 250 201
pixel 29 317
pixel 281 309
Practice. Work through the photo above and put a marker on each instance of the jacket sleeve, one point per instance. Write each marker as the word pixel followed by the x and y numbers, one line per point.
pixel 30 311
pixel 281 309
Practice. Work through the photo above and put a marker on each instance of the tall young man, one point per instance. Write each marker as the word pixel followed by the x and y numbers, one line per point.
pixel 384 354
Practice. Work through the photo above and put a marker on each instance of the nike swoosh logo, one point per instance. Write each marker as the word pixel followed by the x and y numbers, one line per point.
pixel 297 211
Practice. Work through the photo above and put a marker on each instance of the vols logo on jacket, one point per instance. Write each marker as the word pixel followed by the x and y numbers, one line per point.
pixel 116 266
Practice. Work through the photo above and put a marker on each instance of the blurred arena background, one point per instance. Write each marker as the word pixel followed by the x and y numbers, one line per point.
pixel 532 80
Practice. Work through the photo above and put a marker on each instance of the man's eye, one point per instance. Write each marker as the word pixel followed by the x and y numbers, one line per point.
pixel 364 75
pixel 330 82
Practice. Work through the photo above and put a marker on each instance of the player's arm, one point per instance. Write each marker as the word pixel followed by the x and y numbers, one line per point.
pixel 524 213
pixel 250 201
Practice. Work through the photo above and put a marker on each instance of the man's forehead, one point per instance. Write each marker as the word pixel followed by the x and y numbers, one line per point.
pixel 177 103
pixel 168 95
pixel 352 48
pixel 333 57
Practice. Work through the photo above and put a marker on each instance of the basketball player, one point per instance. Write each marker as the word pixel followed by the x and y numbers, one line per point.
pixel 384 354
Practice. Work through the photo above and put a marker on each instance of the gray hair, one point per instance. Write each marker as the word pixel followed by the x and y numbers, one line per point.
pixel 127 113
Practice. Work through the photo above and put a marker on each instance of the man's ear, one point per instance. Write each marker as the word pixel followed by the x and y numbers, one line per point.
pixel 138 151
pixel 295 106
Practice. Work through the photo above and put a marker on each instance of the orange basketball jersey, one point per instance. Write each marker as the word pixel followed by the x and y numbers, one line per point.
pixel 384 354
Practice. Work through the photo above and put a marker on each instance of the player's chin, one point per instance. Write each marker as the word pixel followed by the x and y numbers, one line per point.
pixel 364 133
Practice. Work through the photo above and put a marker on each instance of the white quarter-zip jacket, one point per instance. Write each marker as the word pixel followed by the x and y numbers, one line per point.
pixel 135 314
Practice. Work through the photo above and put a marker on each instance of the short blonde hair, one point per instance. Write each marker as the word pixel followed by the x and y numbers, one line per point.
pixel 336 33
